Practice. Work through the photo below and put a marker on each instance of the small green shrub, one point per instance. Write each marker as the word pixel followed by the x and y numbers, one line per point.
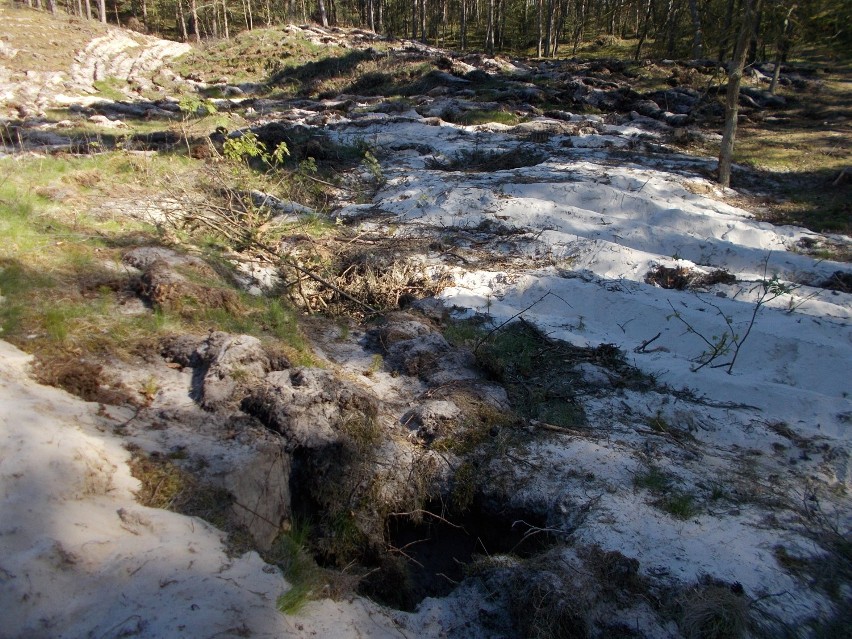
pixel 247 145
pixel 192 106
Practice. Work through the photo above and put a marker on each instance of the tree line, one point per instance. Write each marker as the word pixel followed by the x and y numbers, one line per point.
pixel 733 32
pixel 546 28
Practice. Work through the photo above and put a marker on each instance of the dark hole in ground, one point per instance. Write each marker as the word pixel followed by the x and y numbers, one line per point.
pixel 430 557
pixel 839 281
pixel 425 558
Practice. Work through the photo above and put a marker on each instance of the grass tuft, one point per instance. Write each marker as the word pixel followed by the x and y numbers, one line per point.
pixel 714 612
pixel 291 554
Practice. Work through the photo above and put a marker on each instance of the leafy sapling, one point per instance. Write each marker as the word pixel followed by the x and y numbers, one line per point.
pixel 729 342
pixel 192 106
pixel 248 145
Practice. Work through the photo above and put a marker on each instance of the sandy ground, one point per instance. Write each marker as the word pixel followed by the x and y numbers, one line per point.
pixel 79 557
pixel 580 231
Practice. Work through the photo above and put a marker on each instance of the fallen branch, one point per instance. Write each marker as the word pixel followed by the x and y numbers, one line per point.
pixel 553 428
pixel 641 348
pixel 516 315
pixel 420 511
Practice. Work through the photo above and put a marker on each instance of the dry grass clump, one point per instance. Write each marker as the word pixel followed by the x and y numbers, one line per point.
pixel 543 610
pixel 682 278
pixel 714 612
pixel 81 377
pixel 164 288
pixel 385 282
pixel 166 485
pixel 480 160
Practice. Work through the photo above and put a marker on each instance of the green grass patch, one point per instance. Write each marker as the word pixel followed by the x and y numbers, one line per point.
pixel 464 333
pixel 61 279
pixel 479 116
pixel 110 88
pixel 677 503
pixel 290 552
pixel 543 376
pixel 653 479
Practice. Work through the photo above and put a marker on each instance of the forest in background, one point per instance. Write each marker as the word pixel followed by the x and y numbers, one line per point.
pixel 546 28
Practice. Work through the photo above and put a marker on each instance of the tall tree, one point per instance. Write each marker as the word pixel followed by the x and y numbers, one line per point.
pixel 643 32
pixel 489 33
pixel 697 36
pixel 193 8
pixel 781 50
pixel 751 8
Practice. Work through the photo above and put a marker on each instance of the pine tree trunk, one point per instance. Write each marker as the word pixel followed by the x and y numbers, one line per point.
pixel 697 35
pixel 781 51
pixel 193 8
pixel 581 23
pixel 540 27
pixel 463 24
pixel 323 14
pixel 735 76
pixel 102 11
pixel 549 29
pixel 726 32
pixel 182 20
pixel 644 32
pixel 489 37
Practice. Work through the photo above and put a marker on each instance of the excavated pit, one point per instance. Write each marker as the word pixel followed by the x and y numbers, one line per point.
pixel 430 556
pixel 427 553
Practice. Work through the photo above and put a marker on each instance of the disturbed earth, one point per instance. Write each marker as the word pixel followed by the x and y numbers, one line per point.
pixel 608 401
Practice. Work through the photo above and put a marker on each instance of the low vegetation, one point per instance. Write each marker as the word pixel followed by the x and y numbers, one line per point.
pixel 260 201
pixel 66 291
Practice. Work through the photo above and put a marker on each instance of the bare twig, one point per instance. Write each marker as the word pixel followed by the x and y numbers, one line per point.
pixel 516 315
pixel 644 345
pixel 420 511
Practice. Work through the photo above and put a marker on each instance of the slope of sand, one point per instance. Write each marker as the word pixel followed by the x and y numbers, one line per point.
pixel 79 557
